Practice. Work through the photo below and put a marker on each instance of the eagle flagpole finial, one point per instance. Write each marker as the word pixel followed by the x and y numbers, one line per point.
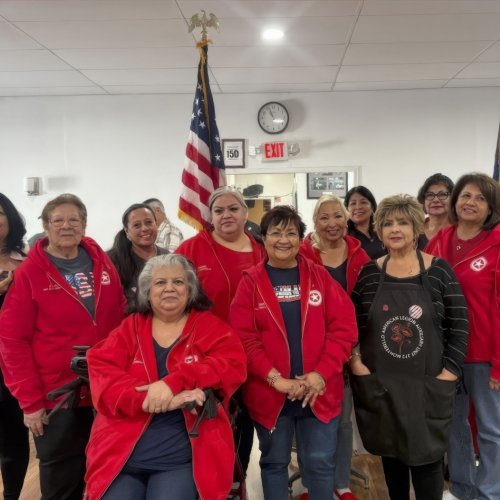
pixel 204 22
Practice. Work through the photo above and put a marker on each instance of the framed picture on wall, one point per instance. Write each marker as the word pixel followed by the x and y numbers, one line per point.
pixel 326 182
pixel 234 153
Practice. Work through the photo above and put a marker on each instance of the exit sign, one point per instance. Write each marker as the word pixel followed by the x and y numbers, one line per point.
pixel 274 151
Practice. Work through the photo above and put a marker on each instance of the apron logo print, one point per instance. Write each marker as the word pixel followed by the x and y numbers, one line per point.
pixel 385 308
pixel 415 312
pixel 402 337
pixel 479 264
pixel 315 298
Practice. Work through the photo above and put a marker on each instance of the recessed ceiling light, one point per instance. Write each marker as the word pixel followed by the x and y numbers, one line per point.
pixel 272 34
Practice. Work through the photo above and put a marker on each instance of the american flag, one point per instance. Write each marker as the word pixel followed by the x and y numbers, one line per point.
pixel 204 164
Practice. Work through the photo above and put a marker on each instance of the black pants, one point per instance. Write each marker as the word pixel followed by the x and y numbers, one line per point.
pixel 61 451
pixel 14 444
pixel 243 434
pixel 427 480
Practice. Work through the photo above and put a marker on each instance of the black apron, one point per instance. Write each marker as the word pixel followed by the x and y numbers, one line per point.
pixel 402 410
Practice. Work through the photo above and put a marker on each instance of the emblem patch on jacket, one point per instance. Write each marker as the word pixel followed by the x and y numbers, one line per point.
pixel 478 264
pixel 105 279
pixel 315 298
pixel 192 358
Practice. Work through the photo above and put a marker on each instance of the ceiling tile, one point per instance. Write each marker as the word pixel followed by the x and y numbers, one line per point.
pixel 390 85
pixel 298 31
pixel 481 70
pixel 76 10
pixel 427 28
pixel 318 74
pixel 42 79
pixel 304 55
pixel 394 72
pixel 142 76
pixel 12 38
pixel 272 88
pixel 268 8
pixel 168 57
pixel 474 82
pixel 49 91
pixel 109 34
pixel 400 53
pixel 491 54
pixel 30 60
pixel 395 7
pixel 151 89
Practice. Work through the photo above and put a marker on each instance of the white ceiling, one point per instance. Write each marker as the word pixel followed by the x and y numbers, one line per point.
pixel 76 47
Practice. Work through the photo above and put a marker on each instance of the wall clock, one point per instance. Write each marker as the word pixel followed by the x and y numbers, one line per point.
pixel 273 117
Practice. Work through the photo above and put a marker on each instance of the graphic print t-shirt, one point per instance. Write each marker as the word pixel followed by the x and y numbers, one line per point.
pixel 78 274
pixel 286 284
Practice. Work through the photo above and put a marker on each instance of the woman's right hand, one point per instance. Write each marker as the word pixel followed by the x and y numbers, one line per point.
pixel 179 400
pixel 34 421
pixel 294 389
pixel 358 367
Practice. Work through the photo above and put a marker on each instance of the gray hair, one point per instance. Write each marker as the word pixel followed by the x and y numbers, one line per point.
pixel 155 203
pixel 196 296
pixel 227 190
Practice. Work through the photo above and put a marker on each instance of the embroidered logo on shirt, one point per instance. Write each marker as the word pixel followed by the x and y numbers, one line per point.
pixel 315 298
pixel 478 264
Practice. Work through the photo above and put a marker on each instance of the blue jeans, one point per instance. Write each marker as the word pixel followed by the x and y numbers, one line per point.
pixel 316 444
pixel 343 453
pixel 138 484
pixel 467 480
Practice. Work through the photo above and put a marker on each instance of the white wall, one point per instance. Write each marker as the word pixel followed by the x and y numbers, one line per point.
pixel 116 150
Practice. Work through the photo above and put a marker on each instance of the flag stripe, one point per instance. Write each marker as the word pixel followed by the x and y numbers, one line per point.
pixel 203 163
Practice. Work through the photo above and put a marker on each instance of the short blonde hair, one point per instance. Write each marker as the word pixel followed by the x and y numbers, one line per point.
pixel 326 198
pixel 403 204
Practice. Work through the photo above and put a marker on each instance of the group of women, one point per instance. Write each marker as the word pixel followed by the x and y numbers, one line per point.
pixel 279 321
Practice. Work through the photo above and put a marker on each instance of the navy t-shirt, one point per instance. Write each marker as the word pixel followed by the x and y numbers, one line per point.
pixel 165 444
pixel 78 274
pixel 286 284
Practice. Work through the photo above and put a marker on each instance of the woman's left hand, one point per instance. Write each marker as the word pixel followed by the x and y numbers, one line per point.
pixel 315 387
pixel 158 397
pixel 447 375
pixel 196 396
pixel 494 384
pixel 5 283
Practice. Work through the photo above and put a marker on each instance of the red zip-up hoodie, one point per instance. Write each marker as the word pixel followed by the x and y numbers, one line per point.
pixel 328 333
pixel 42 319
pixel 479 276
pixel 356 258
pixel 207 354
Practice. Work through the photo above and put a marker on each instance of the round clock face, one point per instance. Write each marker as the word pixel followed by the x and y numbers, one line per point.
pixel 273 117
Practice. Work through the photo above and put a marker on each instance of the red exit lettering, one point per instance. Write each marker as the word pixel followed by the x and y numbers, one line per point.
pixel 275 151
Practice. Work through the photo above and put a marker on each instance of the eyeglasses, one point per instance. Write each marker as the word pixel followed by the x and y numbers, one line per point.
pixel 72 222
pixel 441 196
pixel 276 235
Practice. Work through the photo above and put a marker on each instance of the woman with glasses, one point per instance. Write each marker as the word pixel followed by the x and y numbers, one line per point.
pixel 434 196
pixel 472 246
pixel 134 245
pixel 66 293
pixel 297 326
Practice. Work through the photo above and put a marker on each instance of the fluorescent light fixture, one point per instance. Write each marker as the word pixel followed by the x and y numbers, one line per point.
pixel 272 34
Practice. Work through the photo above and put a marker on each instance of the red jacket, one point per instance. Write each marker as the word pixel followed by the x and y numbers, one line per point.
pixel 42 319
pixel 356 258
pixel 328 333
pixel 479 277
pixel 208 354
pixel 202 251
